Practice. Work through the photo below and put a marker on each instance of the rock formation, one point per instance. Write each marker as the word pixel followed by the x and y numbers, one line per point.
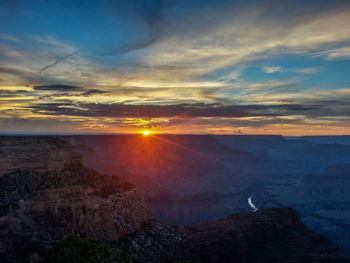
pixel 269 235
pixel 55 196
pixel 324 201
pixel 39 153
pixel 46 194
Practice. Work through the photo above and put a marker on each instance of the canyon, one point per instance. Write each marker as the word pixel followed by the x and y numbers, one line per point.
pixel 189 179
pixel 50 189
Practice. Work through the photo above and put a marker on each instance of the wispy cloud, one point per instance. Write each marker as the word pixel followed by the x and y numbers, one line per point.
pixel 335 53
pixel 272 69
pixel 181 60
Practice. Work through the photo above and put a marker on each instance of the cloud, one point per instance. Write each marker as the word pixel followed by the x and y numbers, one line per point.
pixel 336 53
pixel 313 70
pixel 159 111
pixel 272 69
pixel 248 34
pixel 56 90
pixel 184 60
pixel 13 93
pixel 58 87
pixel 6 51
pixel 94 92
pixel 35 60
pixel 10 71
pixel 240 122
pixel 16 75
pixel 190 43
pixel 9 38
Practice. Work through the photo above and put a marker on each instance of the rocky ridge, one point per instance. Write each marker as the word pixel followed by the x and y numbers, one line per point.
pixel 40 153
pixel 41 204
pixel 269 235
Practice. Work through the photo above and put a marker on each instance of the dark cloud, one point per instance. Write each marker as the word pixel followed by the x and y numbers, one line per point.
pixel 12 93
pixel 64 90
pixel 213 96
pixel 227 122
pixel 22 74
pixel 158 111
pixel 93 92
pixel 26 76
pixel 11 71
pixel 337 105
pixel 58 87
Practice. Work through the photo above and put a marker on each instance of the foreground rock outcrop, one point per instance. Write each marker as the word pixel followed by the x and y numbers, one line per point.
pixel 38 153
pixel 269 235
pixel 47 201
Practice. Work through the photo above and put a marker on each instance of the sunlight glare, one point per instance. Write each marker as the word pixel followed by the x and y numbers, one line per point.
pixel 146 133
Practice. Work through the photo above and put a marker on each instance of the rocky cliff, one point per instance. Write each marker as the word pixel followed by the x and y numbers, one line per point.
pixel 269 235
pixel 47 193
pixel 39 153
pixel 324 201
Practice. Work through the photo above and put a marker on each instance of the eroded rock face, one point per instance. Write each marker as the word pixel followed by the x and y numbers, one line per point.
pixel 39 153
pixel 46 201
pixel 324 201
pixel 269 235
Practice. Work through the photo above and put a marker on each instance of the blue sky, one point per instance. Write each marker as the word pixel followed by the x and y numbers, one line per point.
pixel 254 67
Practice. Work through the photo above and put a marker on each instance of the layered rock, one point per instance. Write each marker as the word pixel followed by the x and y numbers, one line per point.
pixel 44 202
pixel 269 235
pixel 39 153
pixel 324 201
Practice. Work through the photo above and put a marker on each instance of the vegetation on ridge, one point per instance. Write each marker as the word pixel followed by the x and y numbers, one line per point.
pixel 75 249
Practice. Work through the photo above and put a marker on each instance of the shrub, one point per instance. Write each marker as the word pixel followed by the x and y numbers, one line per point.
pixel 74 249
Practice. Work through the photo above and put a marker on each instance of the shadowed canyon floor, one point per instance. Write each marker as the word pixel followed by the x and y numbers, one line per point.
pixel 188 179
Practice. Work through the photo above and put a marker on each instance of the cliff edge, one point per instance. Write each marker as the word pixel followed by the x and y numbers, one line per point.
pixel 46 194
pixel 269 235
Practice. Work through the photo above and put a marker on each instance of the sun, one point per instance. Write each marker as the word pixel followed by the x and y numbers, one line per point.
pixel 146 133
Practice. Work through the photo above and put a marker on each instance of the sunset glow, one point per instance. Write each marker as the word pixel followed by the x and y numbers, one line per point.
pixel 145 133
pixel 162 65
pixel 132 122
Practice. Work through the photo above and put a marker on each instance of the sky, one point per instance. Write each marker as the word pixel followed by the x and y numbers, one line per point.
pixel 175 66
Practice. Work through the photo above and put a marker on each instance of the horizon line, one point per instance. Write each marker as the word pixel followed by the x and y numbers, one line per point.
pixel 136 133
